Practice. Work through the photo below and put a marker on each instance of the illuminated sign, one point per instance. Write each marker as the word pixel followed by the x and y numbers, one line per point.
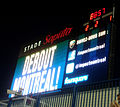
pixel 41 71
pixel 87 60
pixel 51 39
pixel 48 40
pixel 98 17
pixel 32 46
pixel 97 14
pixel 76 79
pixel 81 60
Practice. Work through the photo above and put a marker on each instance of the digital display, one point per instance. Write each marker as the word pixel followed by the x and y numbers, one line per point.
pixel 97 14
pixel 82 60
pixel 87 59
pixel 41 71
pixel 103 15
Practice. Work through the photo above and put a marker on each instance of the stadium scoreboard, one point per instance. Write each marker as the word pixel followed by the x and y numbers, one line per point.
pixel 82 60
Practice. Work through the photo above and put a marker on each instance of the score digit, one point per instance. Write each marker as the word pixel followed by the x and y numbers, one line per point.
pixel 91 16
pixel 99 13
pixel 96 24
pixel 95 14
pixel 103 10
pixel 86 28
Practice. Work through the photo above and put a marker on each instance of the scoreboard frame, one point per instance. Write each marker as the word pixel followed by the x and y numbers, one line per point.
pixel 97 20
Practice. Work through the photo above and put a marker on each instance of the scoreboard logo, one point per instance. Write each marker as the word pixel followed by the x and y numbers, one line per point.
pixel 72 44
pixel 48 40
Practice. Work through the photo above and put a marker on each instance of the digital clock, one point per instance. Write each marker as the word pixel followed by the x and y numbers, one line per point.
pixel 97 14
pixel 98 18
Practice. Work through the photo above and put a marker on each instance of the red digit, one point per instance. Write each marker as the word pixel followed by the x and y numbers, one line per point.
pixel 95 14
pixel 96 24
pixel 110 18
pixel 99 13
pixel 87 27
pixel 103 10
pixel 91 16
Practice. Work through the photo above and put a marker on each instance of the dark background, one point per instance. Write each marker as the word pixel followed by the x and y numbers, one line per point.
pixel 18 30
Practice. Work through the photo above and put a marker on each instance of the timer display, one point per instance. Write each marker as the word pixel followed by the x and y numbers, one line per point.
pixel 99 18
pixel 97 14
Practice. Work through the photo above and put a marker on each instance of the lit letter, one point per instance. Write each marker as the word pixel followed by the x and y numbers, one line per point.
pixel 31 81
pixel 57 79
pixel 41 59
pixel 26 64
pixel 31 47
pixel 35 45
pixel 22 83
pixel 27 84
pixel 36 83
pixel 42 81
pixel 35 62
pixel 28 47
pixel 52 56
pixel 52 79
pixel 39 43
pixel 31 62
pixel 47 58
pixel 47 82
pixel 17 84
pixel 25 49
pixel 68 31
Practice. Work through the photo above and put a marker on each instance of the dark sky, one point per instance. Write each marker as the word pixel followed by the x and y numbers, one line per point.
pixel 18 30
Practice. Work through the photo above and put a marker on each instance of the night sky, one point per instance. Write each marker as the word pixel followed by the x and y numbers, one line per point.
pixel 18 30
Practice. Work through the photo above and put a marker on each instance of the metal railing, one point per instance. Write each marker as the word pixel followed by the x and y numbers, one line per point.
pixel 99 94
pixel 92 95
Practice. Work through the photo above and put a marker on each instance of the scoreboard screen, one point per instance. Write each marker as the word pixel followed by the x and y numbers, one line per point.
pixel 41 71
pixel 82 60
pixel 87 57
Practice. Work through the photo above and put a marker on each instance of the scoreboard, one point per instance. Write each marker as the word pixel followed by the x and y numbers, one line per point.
pixel 82 60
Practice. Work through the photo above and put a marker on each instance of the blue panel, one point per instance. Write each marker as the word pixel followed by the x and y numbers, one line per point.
pixel 48 78
pixel 91 60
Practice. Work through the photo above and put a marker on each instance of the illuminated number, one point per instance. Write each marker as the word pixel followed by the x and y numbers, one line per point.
pixel 96 24
pixel 99 13
pixel 91 16
pixel 95 14
pixel 110 18
pixel 103 10
pixel 86 29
